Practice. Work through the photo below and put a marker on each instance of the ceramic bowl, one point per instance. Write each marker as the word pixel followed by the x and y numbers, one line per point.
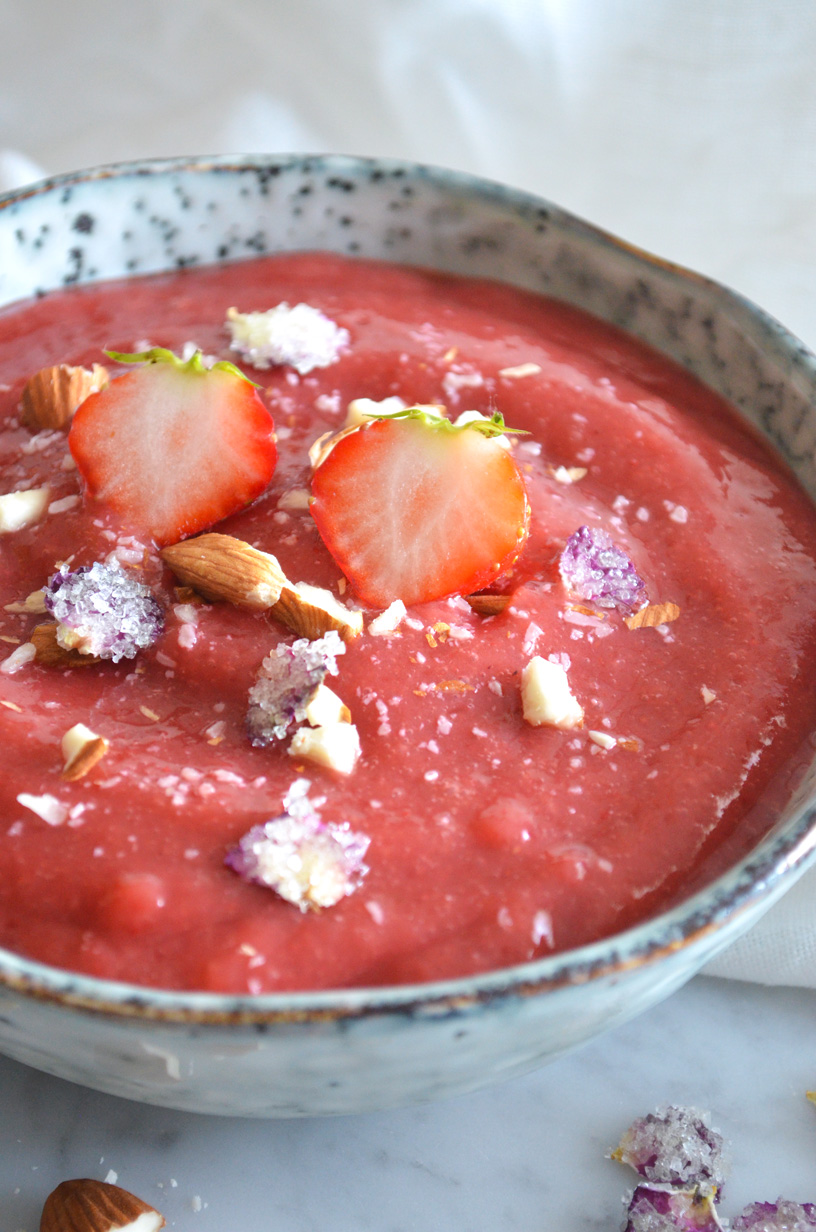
pixel 347 1051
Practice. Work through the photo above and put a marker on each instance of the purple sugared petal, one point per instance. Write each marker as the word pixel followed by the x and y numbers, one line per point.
pixel 103 610
pixel 675 1146
pixel 287 679
pixel 779 1216
pixel 664 1208
pixel 594 568
pixel 306 861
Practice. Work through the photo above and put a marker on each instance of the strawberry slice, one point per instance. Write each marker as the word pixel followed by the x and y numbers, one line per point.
pixel 172 446
pixel 414 507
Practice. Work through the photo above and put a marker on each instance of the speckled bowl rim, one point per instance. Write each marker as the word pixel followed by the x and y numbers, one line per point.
pixel 780 857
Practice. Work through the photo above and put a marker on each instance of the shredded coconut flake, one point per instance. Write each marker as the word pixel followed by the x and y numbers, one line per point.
pixel 47 807
pixel 301 337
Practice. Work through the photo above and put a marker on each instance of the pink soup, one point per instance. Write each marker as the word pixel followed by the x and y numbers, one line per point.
pixel 491 841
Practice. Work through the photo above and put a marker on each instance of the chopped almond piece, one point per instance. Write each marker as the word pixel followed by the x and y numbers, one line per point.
pixel 336 745
pixel 312 611
pixel 21 509
pixel 223 567
pixel 53 394
pixel 51 654
pixel 82 749
pixel 653 614
pixel 547 698
pixel 488 605
pixel 325 707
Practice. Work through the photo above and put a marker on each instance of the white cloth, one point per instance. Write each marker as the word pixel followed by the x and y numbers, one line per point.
pixel 685 126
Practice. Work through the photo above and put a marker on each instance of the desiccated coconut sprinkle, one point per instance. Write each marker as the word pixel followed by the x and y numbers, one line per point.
pixel 286 682
pixel 307 862
pixel 102 610
pixel 593 567
pixel 301 337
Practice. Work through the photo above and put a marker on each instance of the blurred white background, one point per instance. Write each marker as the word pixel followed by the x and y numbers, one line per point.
pixel 686 126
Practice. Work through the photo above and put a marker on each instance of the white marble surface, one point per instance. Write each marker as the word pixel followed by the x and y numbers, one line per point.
pixel 526 1156
pixel 688 127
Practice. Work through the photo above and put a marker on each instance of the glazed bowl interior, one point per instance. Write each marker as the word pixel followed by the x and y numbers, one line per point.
pixel 149 217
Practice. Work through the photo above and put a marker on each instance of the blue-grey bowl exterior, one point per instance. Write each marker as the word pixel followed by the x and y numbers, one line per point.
pixel 361 1049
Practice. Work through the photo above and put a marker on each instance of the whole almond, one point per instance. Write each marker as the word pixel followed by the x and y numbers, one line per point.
pixel 223 567
pixel 85 1205
pixel 51 654
pixel 52 395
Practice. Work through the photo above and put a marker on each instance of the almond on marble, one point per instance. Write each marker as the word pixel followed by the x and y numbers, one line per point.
pixel 51 396
pixel 86 1205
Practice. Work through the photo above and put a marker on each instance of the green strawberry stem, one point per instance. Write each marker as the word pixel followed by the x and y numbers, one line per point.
pixel 161 355
pixel 494 426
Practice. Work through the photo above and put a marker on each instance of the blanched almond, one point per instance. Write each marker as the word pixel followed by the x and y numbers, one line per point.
pixel 335 745
pixel 53 394
pixel 223 567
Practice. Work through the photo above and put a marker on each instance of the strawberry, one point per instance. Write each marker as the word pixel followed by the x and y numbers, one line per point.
pixel 172 446
pixel 414 507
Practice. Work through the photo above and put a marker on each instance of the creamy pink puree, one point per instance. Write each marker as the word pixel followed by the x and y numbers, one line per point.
pixel 492 841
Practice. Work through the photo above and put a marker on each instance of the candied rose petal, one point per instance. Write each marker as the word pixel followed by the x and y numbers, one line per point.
pixel 675 1146
pixel 779 1216
pixel 286 681
pixel 103 610
pixel 663 1208
pixel 307 862
pixel 594 568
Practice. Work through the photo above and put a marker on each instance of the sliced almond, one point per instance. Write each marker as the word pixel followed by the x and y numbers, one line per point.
pixel 653 614
pixel 322 447
pixel 82 749
pixel 223 567
pixel 311 611
pixel 95 1206
pixel 53 394
pixel 49 653
pixel 35 602
pixel 488 605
